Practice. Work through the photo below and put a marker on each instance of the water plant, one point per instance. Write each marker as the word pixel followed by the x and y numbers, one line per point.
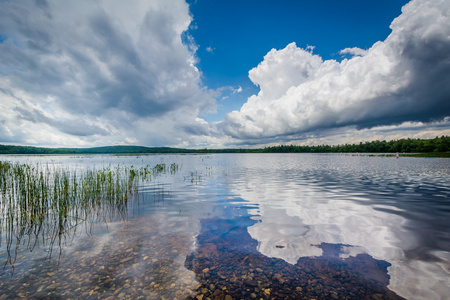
pixel 195 177
pixel 44 204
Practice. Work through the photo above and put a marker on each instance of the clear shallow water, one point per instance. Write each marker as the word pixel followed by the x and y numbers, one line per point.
pixel 251 226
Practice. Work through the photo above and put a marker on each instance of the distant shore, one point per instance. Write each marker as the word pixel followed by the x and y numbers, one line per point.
pixel 437 147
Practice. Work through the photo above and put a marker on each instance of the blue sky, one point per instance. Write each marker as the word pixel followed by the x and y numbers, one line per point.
pixel 219 74
pixel 234 36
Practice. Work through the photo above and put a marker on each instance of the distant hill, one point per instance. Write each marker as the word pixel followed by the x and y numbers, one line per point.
pixel 128 150
pixel 9 149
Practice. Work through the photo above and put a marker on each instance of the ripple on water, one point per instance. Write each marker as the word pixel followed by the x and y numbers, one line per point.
pixel 252 226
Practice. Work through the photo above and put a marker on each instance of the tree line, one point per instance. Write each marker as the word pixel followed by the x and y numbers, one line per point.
pixel 436 145
pixel 11 149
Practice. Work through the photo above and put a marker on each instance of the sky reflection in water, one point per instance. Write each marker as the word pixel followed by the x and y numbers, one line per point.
pixel 299 225
pixel 394 210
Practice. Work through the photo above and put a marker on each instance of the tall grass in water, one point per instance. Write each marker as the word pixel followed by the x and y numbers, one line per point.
pixel 43 205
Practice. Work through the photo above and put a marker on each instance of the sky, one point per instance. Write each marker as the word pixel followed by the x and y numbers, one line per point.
pixel 223 73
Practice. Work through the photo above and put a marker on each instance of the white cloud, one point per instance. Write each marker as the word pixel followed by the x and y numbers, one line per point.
pixel 238 90
pixel 353 51
pixel 225 92
pixel 404 78
pixel 89 72
pixel 99 73
pixel 351 135
pixel 283 69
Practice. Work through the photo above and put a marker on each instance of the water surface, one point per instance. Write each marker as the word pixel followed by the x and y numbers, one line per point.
pixel 299 226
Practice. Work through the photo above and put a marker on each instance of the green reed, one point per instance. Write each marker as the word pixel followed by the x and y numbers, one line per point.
pixel 40 201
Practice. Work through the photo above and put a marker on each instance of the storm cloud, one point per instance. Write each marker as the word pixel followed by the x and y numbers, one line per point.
pixel 91 73
pixel 404 78
pixel 102 68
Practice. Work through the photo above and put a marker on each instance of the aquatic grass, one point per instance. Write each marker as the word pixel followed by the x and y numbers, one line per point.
pixel 38 201
pixel 196 177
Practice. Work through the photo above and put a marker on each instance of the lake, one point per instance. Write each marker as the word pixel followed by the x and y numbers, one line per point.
pixel 243 226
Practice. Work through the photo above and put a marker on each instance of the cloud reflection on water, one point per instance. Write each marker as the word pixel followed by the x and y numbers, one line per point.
pixel 371 211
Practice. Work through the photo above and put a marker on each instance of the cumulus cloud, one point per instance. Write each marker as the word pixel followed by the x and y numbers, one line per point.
pixel 402 79
pixel 98 70
pixel 107 72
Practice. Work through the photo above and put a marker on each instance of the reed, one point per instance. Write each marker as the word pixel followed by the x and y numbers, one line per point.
pixel 40 201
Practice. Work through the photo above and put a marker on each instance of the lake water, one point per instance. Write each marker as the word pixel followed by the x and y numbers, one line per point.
pixel 247 226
